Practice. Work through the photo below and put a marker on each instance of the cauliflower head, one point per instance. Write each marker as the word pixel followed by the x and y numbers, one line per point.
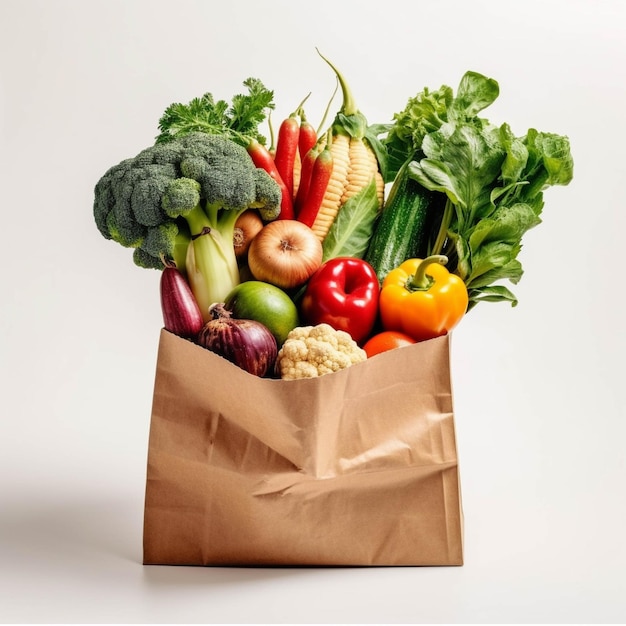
pixel 311 351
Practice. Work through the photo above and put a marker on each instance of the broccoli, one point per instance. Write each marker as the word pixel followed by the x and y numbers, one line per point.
pixel 177 203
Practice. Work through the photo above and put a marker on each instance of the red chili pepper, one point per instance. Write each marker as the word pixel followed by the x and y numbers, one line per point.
pixel 262 158
pixel 320 177
pixel 307 138
pixel 286 149
pixel 306 169
pixel 287 146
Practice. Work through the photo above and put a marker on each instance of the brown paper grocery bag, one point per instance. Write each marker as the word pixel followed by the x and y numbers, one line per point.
pixel 353 468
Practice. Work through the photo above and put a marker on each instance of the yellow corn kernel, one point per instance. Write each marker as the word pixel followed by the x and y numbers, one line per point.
pixel 380 189
pixel 363 167
pixel 297 170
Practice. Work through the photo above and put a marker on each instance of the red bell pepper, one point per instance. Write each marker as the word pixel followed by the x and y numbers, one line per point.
pixel 343 293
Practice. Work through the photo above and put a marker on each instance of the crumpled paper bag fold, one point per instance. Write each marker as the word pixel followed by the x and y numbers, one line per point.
pixel 354 468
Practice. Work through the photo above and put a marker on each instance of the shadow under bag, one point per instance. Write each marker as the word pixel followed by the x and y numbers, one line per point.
pixel 355 468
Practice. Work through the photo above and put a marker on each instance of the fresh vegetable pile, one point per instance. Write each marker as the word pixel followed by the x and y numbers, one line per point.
pixel 339 242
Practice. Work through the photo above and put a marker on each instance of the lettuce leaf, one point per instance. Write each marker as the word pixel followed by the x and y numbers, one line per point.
pixel 494 181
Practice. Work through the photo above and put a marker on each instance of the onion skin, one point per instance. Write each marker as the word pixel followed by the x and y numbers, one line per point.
pixel 247 227
pixel 181 313
pixel 285 253
pixel 247 343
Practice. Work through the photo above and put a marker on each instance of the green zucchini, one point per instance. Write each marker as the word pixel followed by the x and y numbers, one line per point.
pixel 403 228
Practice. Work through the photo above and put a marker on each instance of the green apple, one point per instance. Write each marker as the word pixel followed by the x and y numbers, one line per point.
pixel 265 303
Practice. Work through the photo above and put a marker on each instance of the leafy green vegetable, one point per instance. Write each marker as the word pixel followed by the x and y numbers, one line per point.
pixel 423 114
pixel 241 118
pixel 352 229
pixel 494 181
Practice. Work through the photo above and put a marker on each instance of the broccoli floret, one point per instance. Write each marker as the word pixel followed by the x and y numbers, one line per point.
pixel 179 201
pixel 145 259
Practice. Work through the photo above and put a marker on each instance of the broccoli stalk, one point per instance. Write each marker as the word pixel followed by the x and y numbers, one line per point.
pixel 178 202
pixel 210 263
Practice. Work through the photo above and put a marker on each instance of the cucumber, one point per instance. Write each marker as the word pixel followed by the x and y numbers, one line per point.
pixel 403 228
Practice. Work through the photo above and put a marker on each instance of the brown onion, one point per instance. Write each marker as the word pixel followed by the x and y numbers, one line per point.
pixel 246 343
pixel 247 227
pixel 285 253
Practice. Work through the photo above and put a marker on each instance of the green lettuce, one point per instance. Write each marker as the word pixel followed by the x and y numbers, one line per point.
pixel 494 181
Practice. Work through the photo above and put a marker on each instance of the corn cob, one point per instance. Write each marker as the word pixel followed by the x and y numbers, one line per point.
pixel 354 162
pixel 363 165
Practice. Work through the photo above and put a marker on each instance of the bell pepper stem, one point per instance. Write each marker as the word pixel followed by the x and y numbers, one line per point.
pixel 421 281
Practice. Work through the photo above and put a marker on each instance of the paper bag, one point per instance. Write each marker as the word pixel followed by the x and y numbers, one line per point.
pixel 353 468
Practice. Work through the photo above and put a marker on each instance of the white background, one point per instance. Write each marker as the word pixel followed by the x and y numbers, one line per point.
pixel 539 388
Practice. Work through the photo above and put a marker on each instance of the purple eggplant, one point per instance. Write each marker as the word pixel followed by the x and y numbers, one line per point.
pixel 181 313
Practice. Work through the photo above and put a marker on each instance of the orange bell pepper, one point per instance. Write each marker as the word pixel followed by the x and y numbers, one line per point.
pixel 422 298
